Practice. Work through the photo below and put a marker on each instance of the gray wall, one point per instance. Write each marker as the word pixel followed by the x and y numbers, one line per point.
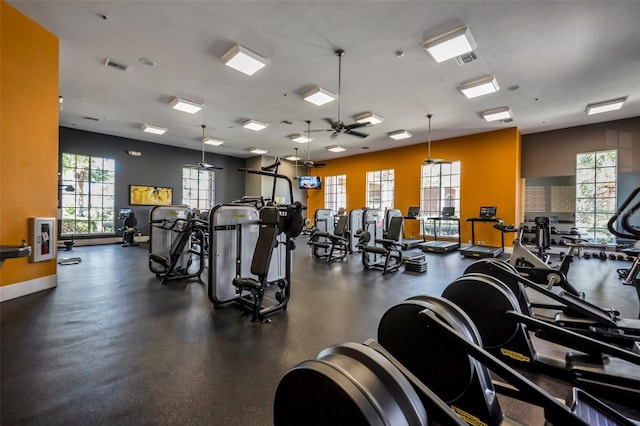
pixel 552 154
pixel 159 165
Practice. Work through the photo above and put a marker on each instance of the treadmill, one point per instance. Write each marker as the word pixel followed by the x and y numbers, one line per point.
pixel 443 246
pixel 410 243
pixel 487 215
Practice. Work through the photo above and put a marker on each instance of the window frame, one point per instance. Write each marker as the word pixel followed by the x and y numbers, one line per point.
pixel 335 192
pixel 205 198
pixel 374 177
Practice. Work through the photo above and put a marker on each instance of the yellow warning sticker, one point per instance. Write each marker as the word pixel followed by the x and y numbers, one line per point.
pixel 238 215
pixel 515 355
pixel 467 417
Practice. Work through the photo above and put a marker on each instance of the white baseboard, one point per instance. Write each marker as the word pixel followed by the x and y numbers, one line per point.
pixel 101 241
pixel 11 291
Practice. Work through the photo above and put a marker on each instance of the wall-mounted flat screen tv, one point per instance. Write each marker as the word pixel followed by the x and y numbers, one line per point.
pixel 309 182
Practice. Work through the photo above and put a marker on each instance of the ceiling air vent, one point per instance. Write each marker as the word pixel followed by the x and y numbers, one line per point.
pixel 91 118
pixel 109 63
pixel 465 59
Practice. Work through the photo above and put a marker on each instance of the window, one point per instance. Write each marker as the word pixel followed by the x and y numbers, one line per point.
pixel 198 188
pixel 440 187
pixel 596 176
pixel 89 208
pixel 380 189
pixel 335 192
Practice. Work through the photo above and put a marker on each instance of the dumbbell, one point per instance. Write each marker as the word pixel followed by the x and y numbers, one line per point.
pixel 602 255
pixel 586 255
pixel 612 256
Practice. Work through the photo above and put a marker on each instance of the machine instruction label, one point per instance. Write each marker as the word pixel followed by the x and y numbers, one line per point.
pixel 467 417
pixel 514 355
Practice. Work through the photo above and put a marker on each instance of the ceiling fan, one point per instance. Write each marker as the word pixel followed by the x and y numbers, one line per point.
pixel 308 163
pixel 202 164
pixel 429 159
pixel 338 126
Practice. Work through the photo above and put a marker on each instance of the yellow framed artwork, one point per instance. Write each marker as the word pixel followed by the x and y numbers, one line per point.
pixel 143 195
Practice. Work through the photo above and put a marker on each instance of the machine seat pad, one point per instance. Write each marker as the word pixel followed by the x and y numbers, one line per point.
pixel 247 283
pixel 159 259
pixel 375 249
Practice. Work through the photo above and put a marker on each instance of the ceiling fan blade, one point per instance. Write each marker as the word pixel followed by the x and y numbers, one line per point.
pixel 358 134
pixel 331 122
pixel 320 165
pixel 355 125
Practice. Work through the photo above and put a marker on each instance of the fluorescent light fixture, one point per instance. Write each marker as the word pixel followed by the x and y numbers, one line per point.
pixel 450 44
pixel 254 125
pixel 479 87
pixel 244 60
pixel 318 96
pixel 292 158
pixel 336 148
pixel 369 117
pixel 212 141
pixel 258 150
pixel 153 129
pixel 606 106
pixel 300 138
pixel 503 113
pixel 134 153
pixel 400 134
pixel 185 105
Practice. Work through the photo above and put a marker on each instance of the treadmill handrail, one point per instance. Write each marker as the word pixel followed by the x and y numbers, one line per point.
pixel 555 412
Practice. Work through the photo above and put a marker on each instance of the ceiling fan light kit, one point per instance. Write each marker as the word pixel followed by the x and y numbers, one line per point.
pixel 336 148
pixel 400 134
pixel 153 129
pixel 244 60
pixel 318 96
pixel 600 107
pixel 479 87
pixel 254 125
pixel 293 158
pixel 497 114
pixel 185 105
pixel 369 118
pixel 451 44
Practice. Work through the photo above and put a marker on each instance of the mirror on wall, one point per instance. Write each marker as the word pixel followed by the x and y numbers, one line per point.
pixel 553 196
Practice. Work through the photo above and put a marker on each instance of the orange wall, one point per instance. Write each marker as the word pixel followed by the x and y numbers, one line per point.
pixel 490 164
pixel 28 136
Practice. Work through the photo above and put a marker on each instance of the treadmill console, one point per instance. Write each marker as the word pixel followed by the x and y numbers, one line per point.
pixel 488 212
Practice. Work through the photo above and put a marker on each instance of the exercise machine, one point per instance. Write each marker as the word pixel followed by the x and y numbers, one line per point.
pixel 128 227
pixel 336 243
pixel 436 341
pixel 535 266
pixel 250 253
pixel 487 215
pixel 572 312
pixel 519 338
pixel 412 214
pixel 355 228
pixel 323 226
pixel 447 226
pixel 177 243
pixel 624 215
pixel 385 253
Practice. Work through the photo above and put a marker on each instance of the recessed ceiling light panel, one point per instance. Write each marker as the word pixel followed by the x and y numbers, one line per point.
pixel 336 148
pixel 244 60
pixel 212 141
pixel 292 158
pixel 369 117
pixel 400 134
pixel 154 129
pixel 497 114
pixel 300 138
pixel 318 96
pixel 606 106
pixel 185 105
pixel 258 150
pixel 254 125
pixel 450 44
pixel 479 87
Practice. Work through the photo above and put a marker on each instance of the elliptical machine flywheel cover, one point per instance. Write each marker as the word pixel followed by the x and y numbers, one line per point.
pixel 484 266
pixel 348 384
pixel 423 349
pixel 485 300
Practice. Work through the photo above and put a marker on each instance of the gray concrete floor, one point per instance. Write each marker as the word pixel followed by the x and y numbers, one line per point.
pixel 111 345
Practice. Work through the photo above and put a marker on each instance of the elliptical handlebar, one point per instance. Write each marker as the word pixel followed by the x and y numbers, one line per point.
pixel 633 234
